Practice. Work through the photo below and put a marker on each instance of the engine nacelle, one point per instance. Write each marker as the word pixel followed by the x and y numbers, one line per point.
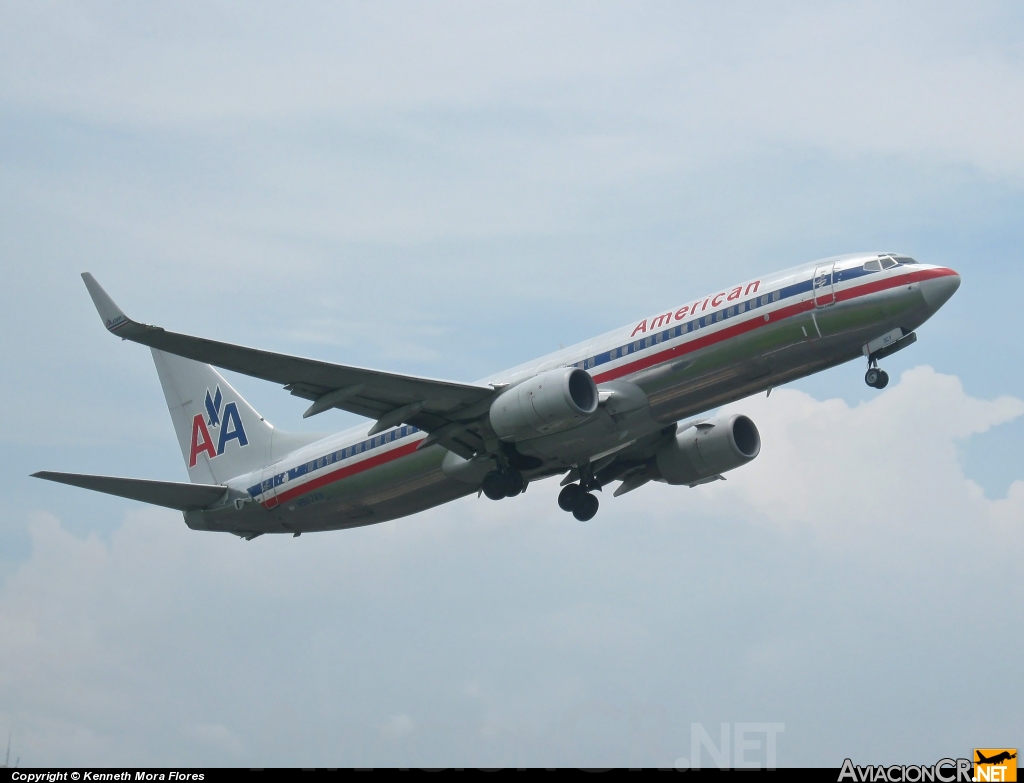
pixel 708 449
pixel 552 401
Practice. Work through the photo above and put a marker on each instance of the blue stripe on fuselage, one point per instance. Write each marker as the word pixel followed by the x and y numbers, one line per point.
pixel 632 347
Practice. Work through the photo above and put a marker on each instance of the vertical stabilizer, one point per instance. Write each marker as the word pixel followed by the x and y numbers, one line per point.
pixel 221 436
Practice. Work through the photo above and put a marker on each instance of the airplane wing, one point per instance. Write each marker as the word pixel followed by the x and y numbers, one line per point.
pixel 445 409
pixel 169 494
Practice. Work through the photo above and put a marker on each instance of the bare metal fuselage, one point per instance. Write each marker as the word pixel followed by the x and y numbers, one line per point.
pixel 675 365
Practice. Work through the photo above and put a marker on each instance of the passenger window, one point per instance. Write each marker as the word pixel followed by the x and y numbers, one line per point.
pixel 874 265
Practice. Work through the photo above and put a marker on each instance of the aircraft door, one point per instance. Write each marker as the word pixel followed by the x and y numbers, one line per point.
pixel 823 285
pixel 270 485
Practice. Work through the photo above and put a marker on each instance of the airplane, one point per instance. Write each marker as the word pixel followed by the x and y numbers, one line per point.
pixel 624 407
pixel 999 758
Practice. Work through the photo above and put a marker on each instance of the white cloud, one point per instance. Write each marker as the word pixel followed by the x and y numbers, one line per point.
pixel 506 632
pixel 886 452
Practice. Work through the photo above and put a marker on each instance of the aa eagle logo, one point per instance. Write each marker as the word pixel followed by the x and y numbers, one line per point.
pixel 226 423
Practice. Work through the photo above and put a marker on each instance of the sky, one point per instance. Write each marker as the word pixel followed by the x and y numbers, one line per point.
pixel 448 189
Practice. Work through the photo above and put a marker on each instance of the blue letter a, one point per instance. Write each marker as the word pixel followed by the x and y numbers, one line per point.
pixel 231 428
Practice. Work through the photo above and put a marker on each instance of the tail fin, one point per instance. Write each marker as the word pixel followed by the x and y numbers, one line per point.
pixel 220 434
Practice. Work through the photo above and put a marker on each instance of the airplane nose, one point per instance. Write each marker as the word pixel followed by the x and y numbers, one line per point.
pixel 937 290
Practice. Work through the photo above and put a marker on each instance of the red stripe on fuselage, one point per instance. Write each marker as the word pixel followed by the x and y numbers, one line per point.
pixel 345 472
pixel 702 342
pixel 893 282
pixel 758 321
pixel 734 330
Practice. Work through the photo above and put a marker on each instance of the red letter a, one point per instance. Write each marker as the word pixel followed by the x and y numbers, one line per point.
pixel 199 446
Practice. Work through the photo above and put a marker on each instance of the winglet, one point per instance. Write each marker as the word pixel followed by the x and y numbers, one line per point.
pixel 111 314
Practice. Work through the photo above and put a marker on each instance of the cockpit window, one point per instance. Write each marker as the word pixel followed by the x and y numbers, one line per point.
pixel 887 262
pixel 905 260
pixel 874 265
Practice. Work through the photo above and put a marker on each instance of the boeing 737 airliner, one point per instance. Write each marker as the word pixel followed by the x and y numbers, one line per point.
pixel 620 407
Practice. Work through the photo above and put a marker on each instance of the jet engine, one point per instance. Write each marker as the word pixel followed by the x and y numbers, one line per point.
pixel 708 449
pixel 549 402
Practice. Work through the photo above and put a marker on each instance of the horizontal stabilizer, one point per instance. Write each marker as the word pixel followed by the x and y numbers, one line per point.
pixel 169 494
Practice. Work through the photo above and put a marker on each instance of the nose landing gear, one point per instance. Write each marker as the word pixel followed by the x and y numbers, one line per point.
pixel 875 377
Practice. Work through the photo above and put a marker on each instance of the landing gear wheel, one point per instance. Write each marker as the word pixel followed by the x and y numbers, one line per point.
pixel 586 507
pixel 516 484
pixel 871 377
pixel 568 497
pixel 883 379
pixel 496 485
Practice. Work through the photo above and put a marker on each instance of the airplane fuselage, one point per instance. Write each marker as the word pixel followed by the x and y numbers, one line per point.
pixel 670 365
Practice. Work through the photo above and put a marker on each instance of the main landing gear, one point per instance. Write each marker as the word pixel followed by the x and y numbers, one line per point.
pixel 579 501
pixel 500 484
pixel 875 377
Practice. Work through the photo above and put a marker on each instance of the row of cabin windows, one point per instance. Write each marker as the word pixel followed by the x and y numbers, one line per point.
pixel 873 265
pixel 676 331
pixel 342 454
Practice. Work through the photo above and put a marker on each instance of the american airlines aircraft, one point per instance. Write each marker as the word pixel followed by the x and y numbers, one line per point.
pixel 619 407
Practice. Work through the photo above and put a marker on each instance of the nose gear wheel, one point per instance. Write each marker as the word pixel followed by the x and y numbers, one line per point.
pixel 876 378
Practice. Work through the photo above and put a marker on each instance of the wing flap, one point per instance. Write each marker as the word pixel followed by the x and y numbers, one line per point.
pixel 169 494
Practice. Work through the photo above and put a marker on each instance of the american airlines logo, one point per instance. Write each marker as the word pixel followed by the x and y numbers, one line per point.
pixel 665 319
pixel 226 423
